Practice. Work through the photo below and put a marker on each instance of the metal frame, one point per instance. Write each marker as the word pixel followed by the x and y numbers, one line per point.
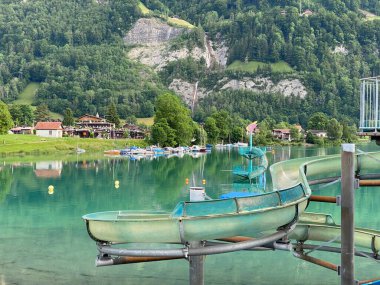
pixel 369 104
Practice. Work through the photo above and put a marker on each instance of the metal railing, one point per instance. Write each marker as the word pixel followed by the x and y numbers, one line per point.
pixel 369 104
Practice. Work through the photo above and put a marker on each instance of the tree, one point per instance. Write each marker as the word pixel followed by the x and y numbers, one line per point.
pixel 212 130
pixel 27 115
pixel 334 129
pixel 68 118
pixel 223 122
pixel 162 134
pixel 6 122
pixel 42 113
pixel 112 115
pixel 309 138
pixel 238 134
pixel 177 116
pixel 349 133
pixel 264 135
pixel 295 133
pixel 318 121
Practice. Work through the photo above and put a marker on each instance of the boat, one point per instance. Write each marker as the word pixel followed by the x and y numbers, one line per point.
pixel 80 150
pixel 112 152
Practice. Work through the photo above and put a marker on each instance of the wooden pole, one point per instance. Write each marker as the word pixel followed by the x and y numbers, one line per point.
pixel 325 199
pixel 196 266
pixel 347 215
pixel 369 182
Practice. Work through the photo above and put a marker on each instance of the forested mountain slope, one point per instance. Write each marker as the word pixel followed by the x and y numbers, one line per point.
pixel 75 49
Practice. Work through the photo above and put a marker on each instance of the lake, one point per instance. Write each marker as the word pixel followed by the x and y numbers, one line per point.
pixel 43 239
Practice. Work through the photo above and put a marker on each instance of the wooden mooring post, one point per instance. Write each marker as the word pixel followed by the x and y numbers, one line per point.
pixel 347 267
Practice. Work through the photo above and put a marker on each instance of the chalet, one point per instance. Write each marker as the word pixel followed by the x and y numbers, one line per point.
pixel 282 134
pixel 22 130
pixel 49 129
pixel 135 132
pixel 318 133
pixel 94 122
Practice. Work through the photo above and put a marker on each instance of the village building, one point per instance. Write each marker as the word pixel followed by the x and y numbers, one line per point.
pixel 135 132
pixel 281 134
pixel 93 122
pixel 22 130
pixel 49 129
pixel 318 133
pixel 284 134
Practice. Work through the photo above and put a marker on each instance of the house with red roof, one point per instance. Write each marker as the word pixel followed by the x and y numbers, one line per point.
pixel 49 129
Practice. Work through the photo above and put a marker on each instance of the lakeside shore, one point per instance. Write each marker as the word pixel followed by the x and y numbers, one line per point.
pixel 16 145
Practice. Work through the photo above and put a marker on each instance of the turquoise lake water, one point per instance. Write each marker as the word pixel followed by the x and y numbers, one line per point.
pixel 43 239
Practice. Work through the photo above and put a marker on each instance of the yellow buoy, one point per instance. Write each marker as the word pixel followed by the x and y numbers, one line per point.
pixel 51 189
pixel 117 184
pixel 187 181
pixel 203 181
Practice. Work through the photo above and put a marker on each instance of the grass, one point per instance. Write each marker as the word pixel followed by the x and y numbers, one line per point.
pixel 146 121
pixel 369 16
pixel 170 20
pixel 144 10
pixel 251 66
pixel 180 23
pixel 373 18
pixel 31 144
pixel 26 97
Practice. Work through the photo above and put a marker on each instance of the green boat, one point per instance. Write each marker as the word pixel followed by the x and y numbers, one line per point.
pixel 213 219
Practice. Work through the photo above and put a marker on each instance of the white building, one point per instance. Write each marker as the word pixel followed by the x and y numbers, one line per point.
pixel 49 129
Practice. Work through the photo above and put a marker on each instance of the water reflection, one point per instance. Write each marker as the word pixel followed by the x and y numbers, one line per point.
pixel 36 224
pixel 48 169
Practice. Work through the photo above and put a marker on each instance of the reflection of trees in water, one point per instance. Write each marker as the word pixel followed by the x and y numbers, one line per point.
pixel 5 182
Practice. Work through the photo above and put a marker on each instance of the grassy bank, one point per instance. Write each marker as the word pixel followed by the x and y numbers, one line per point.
pixel 30 144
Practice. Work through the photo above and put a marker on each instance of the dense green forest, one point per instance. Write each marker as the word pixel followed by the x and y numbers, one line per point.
pixel 75 50
pixel 269 31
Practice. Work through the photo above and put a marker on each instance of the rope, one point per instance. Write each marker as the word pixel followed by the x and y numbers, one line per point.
pixel 368 256
pixel 322 245
pixel 329 184
pixel 371 156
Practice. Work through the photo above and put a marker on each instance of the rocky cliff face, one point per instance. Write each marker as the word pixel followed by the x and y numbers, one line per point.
pixel 151 31
pixel 152 37
pixel 190 92
pixel 151 40
pixel 286 87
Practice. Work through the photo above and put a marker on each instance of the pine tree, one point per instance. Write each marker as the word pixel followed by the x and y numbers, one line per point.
pixel 112 115
pixel 41 113
pixel 68 118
